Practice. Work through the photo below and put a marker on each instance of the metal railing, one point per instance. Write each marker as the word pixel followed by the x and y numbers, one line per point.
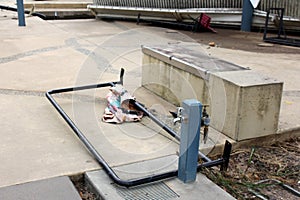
pixel 292 7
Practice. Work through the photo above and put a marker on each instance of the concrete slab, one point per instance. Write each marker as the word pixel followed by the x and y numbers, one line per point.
pixel 169 189
pixel 147 167
pixel 202 188
pixel 41 78
pixel 59 188
pixel 122 143
pixel 49 47
pixel 34 143
pixel 290 106
pixel 128 142
pixel 187 59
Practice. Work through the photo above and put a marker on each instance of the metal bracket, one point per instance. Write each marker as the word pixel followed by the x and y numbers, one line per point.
pixel 226 155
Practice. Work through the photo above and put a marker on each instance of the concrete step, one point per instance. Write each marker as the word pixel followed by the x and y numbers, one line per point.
pixel 66 13
pixel 60 10
pixel 59 188
pixel 56 5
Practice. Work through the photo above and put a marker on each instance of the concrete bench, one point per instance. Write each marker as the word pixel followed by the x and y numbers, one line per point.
pixel 242 104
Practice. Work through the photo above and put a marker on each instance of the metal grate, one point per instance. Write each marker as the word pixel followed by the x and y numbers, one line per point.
pixel 156 191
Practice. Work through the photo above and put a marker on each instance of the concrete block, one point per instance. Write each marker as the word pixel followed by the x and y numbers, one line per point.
pixel 245 104
pixel 156 77
pixel 171 83
pixel 179 84
pixel 242 103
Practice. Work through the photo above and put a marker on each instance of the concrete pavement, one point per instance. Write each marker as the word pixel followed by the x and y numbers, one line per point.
pixel 36 144
pixel 61 188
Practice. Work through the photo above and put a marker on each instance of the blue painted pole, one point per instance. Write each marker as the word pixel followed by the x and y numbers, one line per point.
pixel 21 15
pixel 247 16
pixel 189 140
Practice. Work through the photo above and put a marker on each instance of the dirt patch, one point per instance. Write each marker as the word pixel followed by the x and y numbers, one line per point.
pixel 83 188
pixel 261 171
pixel 232 38
pixel 246 41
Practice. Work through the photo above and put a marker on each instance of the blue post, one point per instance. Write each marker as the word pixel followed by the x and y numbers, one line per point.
pixel 189 140
pixel 247 16
pixel 21 15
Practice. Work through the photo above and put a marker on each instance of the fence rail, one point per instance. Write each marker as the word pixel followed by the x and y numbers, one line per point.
pixel 292 7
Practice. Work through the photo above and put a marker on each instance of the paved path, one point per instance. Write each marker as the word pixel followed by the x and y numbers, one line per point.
pixel 58 188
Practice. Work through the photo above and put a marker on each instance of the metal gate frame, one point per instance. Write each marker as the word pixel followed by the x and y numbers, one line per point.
pixel 281 35
pixel 223 161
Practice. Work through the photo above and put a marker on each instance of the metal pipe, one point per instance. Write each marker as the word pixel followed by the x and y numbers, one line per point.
pixel 211 163
pixel 247 16
pixel 21 15
pixel 71 89
pixel 26 11
pixel 110 172
pixel 91 148
pixel 166 128
pixel 285 186
pixel 157 121
pixel 204 157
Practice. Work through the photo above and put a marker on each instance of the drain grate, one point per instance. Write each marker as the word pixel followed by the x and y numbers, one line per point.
pixel 156 191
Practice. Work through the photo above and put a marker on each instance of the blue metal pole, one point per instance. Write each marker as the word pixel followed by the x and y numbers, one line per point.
pixel 247 16
pixel 189 141
pixel 21 15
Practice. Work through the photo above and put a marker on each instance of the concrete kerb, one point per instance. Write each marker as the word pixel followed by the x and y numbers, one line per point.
pixel 280 136
pixel 56 5
pixel 59 9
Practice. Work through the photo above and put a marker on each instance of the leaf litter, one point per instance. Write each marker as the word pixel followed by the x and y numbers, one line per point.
pixel 261 172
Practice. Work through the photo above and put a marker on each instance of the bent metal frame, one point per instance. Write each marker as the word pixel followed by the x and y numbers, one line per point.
pixel 223 161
